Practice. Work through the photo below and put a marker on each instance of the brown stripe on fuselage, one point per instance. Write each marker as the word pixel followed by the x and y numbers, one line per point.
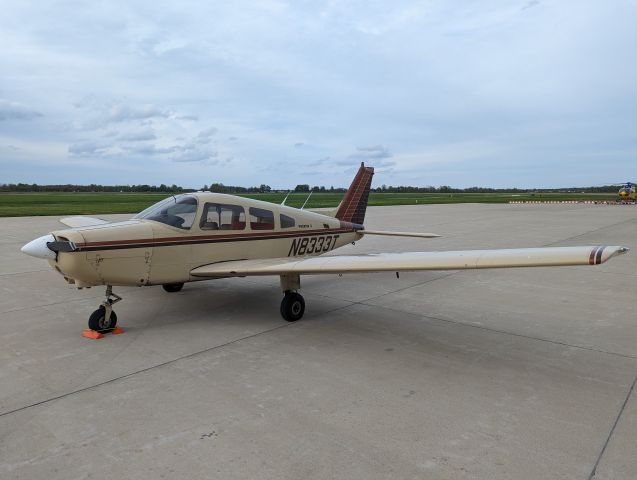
pixel 197 239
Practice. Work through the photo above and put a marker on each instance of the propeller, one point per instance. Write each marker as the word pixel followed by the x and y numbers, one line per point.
pixel 47 247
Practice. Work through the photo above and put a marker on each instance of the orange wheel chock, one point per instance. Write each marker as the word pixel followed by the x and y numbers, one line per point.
pixel 95 335
pixel 92 334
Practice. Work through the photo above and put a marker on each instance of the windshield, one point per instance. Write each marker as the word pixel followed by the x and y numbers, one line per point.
pixel 174 211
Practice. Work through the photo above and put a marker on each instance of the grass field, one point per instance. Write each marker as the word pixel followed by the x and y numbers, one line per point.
pixel 28 204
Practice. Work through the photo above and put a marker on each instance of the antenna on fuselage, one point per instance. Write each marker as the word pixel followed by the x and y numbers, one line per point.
pixel 308 197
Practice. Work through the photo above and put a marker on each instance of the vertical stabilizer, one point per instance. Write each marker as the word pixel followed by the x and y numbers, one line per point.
pixel 354 203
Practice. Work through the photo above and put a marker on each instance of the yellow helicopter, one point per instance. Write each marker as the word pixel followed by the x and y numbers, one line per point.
pixel 627 192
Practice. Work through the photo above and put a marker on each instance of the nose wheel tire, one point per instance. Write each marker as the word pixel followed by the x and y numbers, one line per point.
pixel 173 287
pixel 292 306
pixel 97 321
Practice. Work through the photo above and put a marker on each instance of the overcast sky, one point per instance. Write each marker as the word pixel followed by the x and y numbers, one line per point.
pixel 489 92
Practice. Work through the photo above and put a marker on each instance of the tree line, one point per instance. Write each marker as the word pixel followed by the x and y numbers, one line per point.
pixel 301 188
pixel 448 189
pixel 34 187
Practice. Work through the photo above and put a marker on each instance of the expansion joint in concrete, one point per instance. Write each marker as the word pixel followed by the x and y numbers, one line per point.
pixel 612 430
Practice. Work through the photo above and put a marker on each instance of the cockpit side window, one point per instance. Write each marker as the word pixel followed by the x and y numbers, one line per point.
pixel 174 211
pixel 261 219
pixel 287 222
pixel 221 216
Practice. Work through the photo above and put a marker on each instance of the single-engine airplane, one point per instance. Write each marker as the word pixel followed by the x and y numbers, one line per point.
pixel 203 235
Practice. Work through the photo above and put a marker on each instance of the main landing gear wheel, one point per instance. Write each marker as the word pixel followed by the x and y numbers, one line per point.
pixel 173 287
pixel 292 306
pixel 97 321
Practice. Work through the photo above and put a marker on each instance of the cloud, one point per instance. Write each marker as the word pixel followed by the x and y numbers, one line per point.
pixel 85 148
pixel 196 156
pixel 138 136
pixel 121 113
pixel 205 136
pixel 374 156
pixel 412 76
pixel 97 114
pixel 134 143
pixel 318 162
pixel 531 4
pixel 149 149
pixel 16 111
pixel 375 152
pixel 169 139
pixel 169 45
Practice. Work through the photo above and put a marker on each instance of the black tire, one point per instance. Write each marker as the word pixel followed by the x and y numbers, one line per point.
pixel 173 287
pixel 96 320
pixel 292 306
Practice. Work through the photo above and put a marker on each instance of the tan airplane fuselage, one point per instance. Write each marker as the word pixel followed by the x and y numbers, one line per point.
pixel 141 252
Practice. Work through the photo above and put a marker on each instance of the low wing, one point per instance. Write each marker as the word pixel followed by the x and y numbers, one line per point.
pixel 76 222
pixel 411 261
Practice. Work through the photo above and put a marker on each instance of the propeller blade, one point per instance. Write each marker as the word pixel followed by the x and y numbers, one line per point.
pixel 65 246
pixel 47 247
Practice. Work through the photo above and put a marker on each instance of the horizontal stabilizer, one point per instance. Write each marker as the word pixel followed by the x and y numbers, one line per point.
pixel 77 222
pixel 414 261
pixel 398 234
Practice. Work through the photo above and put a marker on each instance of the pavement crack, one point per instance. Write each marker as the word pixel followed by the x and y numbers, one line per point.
pixel 142 370
pixel 612 430
pixel 479 327
pixel 605 227
pixel 24 273
pixel 32 307
pixel 456 322
pixel 505 332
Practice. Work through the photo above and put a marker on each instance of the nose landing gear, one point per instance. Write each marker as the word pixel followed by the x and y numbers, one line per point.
pixel 104 319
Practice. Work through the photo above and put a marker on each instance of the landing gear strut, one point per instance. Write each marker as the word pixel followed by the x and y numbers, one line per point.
pixel 292 305
pixel 104 319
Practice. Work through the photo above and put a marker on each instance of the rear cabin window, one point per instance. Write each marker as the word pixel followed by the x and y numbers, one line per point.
pixel 287 222
pixel 261 219
pixel 221 216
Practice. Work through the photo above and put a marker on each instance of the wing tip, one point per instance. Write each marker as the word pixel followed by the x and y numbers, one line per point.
pixel 602 253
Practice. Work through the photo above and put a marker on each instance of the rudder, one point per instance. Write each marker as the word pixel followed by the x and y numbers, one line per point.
pixel 354 204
